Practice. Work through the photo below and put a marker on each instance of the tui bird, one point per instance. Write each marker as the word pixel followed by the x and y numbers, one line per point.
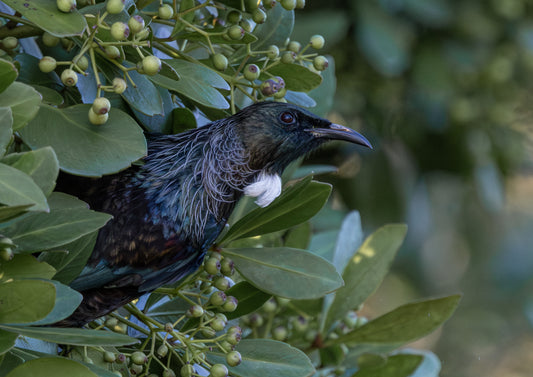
pixel 169 210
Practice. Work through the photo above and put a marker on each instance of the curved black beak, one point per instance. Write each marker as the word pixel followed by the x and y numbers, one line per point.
pixel 337 132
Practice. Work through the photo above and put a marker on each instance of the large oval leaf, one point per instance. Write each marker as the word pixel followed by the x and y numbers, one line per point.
pixel 249 297
pixel 395 366
pixel 8 74
pixel 25 267
pixel 24 301
pixel 7 341
pixel 263 357
pixel 297 77
pixel 77 337
pixel 24 103
pixel 51 367
pixel 67 300
pixel 366 268
pixel 44 13
pixel 6 130
pixel 276 30
pixel 18 189
pixel 41 165
pixel 296 204
pixel 83 148
pixel 43 231
pixel 286 272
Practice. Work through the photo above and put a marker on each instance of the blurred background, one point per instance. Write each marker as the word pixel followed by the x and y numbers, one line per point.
pixel 442 88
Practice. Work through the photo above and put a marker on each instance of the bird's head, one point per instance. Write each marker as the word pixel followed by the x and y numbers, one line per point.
pixel 275 133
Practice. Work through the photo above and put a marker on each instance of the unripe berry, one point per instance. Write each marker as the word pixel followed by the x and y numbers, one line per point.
pixel 256 320
pixel 120 31
pixel 236 32
pixel 217 298
pixel 169 327
pixel 136 24
pixel 280 333
pixel 50 40
pixel 69 77
pixel 195 311
pixel 119 85
pixel 187 370
pixel 162 350
pixel 47 64
pixel 280 81
pixel 165 12
pixel 82 62
pixel 280 94
pixel 233 358
pixel 121 358
pixel 273 52
pixel 143 34
pixel 294 46
pixel 269 4
pixel 259 16
pixel 300 4
pixel 222 284
pixel 288 4
pixel 101 105
pixel 66 6
pixel 109 357
pixel 67 43
pixel 250 5
pixel 226 346
pixel 251 72
pixel 234 17
pixel 151 65
pixel 300 324
pixel 10 43
pixel 234 330
pixel 169 373
pixel 230 305
pixel 320 63
pixel 218 324
pixel 208 332
pixel 88 360
pixel 227 267
pixel 212 266
pixel 136 369
pixel 270 306
pixel 220 62
pixel 98 120
pixel 317 42
pixel 7 254
pixel 218 370
pixel 112 52
pixel 288 57
pixel 6 242
pixel 114 6
pixel 350 319
pixel 246 25
pixel 233 338
pixel 139 358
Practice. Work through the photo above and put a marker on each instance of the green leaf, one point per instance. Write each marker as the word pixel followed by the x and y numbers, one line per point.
pixel 298 236
pixel 366 269
pixel 324 94
pixel 8 74
pixel 51 367
pixel 189 17
pixel 306 170
pixel 401 365
pixel 7 341
pixel 183 119
pixel 216 38
pixel 297 77
pixel 10 212
pixel 9 362
pixel 286 272
pixel 83 148
pixel 295 205
pixel 174 307
pixel 70 263
pixel 23 301
pixel 197 83
pixel 249 297
pixel 44 231
pixel 404 324
pixel 45 15
pixel 50 96
pixel 18 189
pixel 24 102
pixel 276 29
pixel 6 130
pixel 78 337
pixel 263 357
pixel 41 165
pixel 67 300
pixel 25 267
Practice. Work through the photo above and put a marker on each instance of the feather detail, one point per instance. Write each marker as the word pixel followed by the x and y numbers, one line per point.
pixel 266 188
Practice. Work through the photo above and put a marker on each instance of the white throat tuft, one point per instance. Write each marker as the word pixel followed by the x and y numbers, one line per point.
pixel 266 188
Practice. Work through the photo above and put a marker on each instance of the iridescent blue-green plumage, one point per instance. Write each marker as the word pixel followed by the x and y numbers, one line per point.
pixel 169 209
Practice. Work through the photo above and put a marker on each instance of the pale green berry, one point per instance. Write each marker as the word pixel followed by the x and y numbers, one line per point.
pixel 317 42
pixel 236 32
pixel 151 65
pixel 195 311
pixel 114 6
pixel 112 52
pixel 230 305
pixel 162 350
pixel 66 6
pixel 50 40
pixel 139 358
pixel 218 370
pixel 273 52
pixel 251 72
pixel 109 357
pixel 259 16
pixel 10 43
pixel 300 4
pixel 165 12
pixel 288 57
pixel 220 62
pixel 187 370
pixel 212 266
pixel 136 24
pixel 143 34
pixel 233 358
pixel 101 105
pixel 47 64
pixel 82 62
pixel 98 120
pixel 246 25
pixel 320 63
pixel 288 4
pixel 120 31
pixel 119 85
pixel 234 17
pixel 294 46
pixel 222 284
pixel 69 77
pixel 227 267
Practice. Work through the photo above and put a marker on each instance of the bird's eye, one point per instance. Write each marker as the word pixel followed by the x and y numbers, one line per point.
pixel 287 117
